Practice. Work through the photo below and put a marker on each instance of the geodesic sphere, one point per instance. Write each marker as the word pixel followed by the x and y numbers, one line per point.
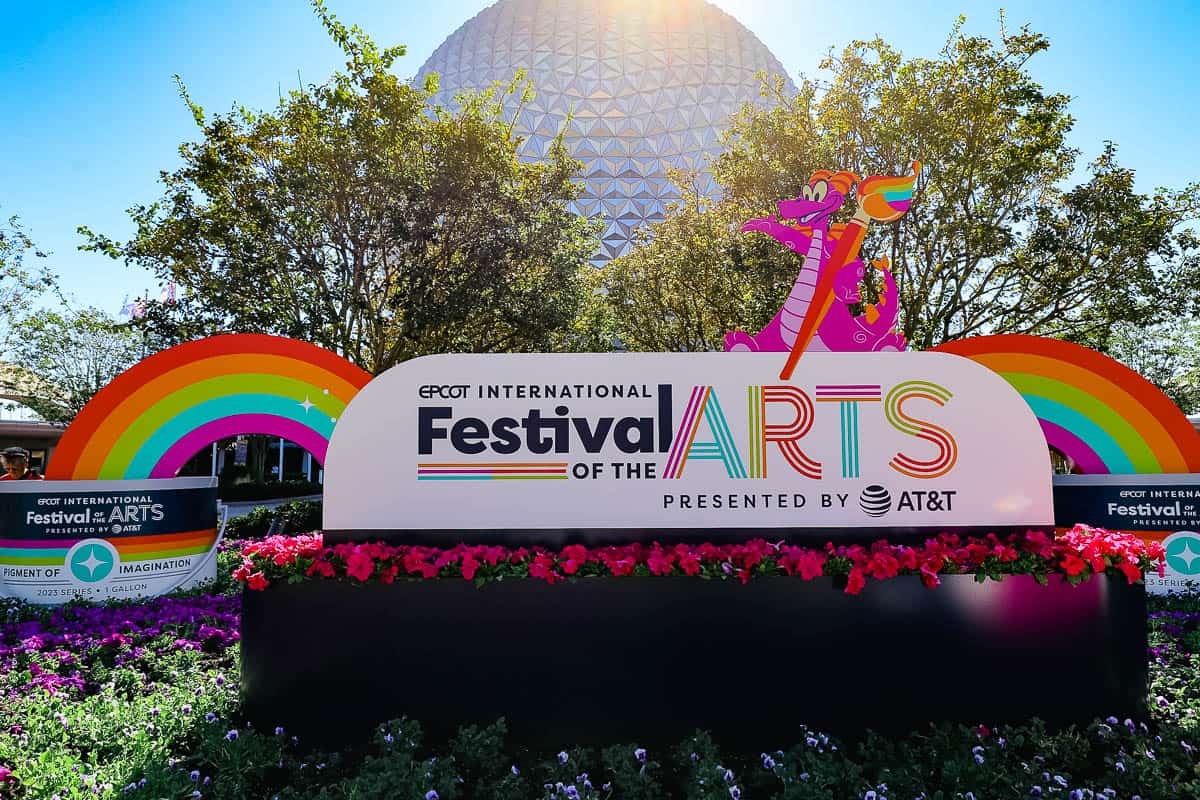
pixel 649 85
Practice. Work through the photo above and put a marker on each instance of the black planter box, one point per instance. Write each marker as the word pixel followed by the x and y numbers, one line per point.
pixel 607 660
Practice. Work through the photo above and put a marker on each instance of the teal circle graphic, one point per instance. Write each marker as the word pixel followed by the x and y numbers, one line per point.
pixel 1183 553
pixel 91 562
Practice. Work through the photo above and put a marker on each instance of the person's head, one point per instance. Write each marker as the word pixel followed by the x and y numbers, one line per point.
pixel 16 461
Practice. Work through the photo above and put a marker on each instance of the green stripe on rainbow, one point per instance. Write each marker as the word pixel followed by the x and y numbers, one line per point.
pixel 157 414
pixel 1116 441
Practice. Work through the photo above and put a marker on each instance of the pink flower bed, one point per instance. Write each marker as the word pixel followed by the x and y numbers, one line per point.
pixel 1079 553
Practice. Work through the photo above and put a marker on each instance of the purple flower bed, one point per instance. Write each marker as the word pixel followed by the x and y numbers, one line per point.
pixel 58 647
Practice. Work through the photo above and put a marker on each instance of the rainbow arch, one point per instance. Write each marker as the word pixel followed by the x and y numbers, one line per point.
pixel 1098 412
pixel 163 410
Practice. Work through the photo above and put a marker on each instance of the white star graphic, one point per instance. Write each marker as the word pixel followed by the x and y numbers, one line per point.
pixel 1187 555
pixel 92 562
pixel 307 404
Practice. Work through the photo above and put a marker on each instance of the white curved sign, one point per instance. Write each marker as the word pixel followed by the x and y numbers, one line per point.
pixel 686 440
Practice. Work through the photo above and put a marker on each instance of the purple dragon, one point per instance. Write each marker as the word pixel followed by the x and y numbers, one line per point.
pixel 840 331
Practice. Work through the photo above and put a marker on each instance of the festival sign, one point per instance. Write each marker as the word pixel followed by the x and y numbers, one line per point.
pixel 686 440
pixel 99 540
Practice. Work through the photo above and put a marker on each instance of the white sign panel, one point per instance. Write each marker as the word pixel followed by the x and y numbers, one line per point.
pixel 687 441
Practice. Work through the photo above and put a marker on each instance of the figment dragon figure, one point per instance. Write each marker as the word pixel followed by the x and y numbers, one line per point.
pixel 829 279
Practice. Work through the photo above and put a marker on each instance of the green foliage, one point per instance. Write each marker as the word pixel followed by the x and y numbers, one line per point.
pixel 1167 355
pixel 301 516
pixel 151 731
pixel 141 728
pixel 73 355
pixel 693 279
pixel 20 282
pixel 991 244
pixel 362 218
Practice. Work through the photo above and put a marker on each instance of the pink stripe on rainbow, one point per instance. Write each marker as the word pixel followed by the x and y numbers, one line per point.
pixel 195 440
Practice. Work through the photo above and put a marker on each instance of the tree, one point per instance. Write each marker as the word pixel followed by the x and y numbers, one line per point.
pixel 361 218
pixel 684 285
pixel 20 282
pixel 68 357
pixel 1167 355
pixel 991 244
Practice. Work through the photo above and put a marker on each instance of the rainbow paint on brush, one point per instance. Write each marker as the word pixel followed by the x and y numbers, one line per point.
pixel 886 199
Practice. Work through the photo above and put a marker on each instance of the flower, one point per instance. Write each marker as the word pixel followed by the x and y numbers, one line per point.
pixel 194 775
pixel 231 735
pixel 431 795
pixel 1078 553
pixel 735 793
pixel 562 757
pixel 640 754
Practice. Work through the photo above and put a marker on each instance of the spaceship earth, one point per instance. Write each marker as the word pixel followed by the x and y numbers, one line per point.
pixel 649 85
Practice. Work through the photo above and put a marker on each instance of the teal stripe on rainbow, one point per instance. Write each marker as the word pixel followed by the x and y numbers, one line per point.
pixel 202 413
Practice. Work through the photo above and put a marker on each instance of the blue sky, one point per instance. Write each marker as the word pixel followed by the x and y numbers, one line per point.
pixel 89 113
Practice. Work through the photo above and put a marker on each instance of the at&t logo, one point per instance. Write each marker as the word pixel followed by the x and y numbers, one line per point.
pixel 875 500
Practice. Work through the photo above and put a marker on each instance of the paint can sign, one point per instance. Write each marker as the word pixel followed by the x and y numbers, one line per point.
pixel 99 540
